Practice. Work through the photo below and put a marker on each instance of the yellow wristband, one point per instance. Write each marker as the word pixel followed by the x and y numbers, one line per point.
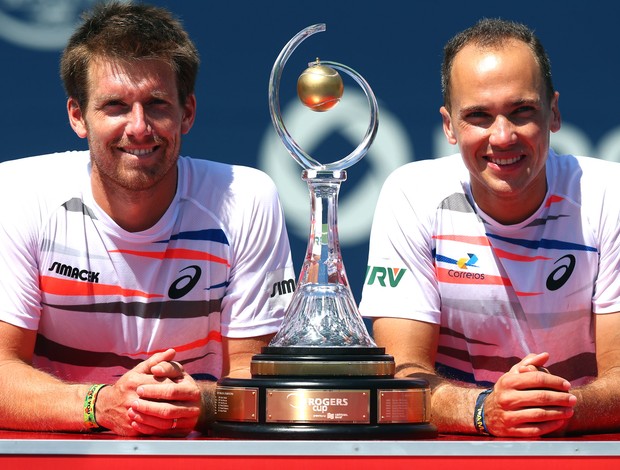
pixel 90 421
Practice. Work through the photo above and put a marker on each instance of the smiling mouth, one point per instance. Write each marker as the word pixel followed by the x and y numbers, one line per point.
pixel 139 152
pixel 505 161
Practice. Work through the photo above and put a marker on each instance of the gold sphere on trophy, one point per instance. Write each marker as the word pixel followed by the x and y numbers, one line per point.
pixel 320 87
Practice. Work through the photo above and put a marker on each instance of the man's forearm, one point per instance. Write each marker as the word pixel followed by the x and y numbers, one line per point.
pixel 32 400
pixel 452 404
pixel 207 411
pixel 598 406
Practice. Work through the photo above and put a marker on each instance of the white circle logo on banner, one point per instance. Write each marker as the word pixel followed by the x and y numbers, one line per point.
pixel 390 150
pixel 40 24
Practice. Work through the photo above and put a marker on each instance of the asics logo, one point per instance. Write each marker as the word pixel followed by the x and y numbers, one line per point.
pixel 560 275
pixel 185 283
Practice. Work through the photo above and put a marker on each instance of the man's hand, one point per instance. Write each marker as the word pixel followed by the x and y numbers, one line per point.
pixel 528 401
pixel 157 397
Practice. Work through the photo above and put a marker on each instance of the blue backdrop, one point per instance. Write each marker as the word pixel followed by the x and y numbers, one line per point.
pixel 395 45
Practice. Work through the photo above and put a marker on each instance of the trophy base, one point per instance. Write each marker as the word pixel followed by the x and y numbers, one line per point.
pixel 322 361
pixel 323 408
pixel 329 432
pixel 323 392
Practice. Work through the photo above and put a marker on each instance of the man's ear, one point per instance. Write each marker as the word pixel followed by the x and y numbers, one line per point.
pixel 189 114
pixel 556 117
pixel 447 125
pixel 76 118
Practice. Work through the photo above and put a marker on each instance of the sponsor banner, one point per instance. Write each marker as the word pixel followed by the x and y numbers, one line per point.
pixel 395 45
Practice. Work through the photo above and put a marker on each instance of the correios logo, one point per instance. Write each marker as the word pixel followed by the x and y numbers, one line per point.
pixel 464 264
pixel 384 276
pixel 471 259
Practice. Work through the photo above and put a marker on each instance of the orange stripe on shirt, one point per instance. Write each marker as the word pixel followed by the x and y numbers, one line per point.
pixel 484 241
pixel 212 336
pixel 175 253
pixel 553 199
pixel 515 257
pixel 443 275
pixel 55 286
pixel 527 294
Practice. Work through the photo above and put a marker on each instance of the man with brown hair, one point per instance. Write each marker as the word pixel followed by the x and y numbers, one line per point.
pixel 132 278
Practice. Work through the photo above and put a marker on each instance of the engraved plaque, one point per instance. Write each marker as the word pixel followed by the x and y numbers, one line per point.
pixel 403 406
pixel 318 406
pixel 236 404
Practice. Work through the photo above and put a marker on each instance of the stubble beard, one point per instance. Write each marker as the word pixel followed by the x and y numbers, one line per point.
pixel 117 173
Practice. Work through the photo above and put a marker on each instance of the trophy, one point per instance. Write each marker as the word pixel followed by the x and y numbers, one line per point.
pixel 322 375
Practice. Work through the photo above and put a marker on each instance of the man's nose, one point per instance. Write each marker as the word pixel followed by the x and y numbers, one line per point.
pixel 138 123
pixel 503 132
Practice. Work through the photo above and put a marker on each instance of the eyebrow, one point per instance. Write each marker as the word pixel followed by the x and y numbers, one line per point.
pixel 115 96
pixel 514 104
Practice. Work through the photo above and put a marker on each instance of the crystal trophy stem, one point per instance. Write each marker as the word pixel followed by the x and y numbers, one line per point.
pixel 323 311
